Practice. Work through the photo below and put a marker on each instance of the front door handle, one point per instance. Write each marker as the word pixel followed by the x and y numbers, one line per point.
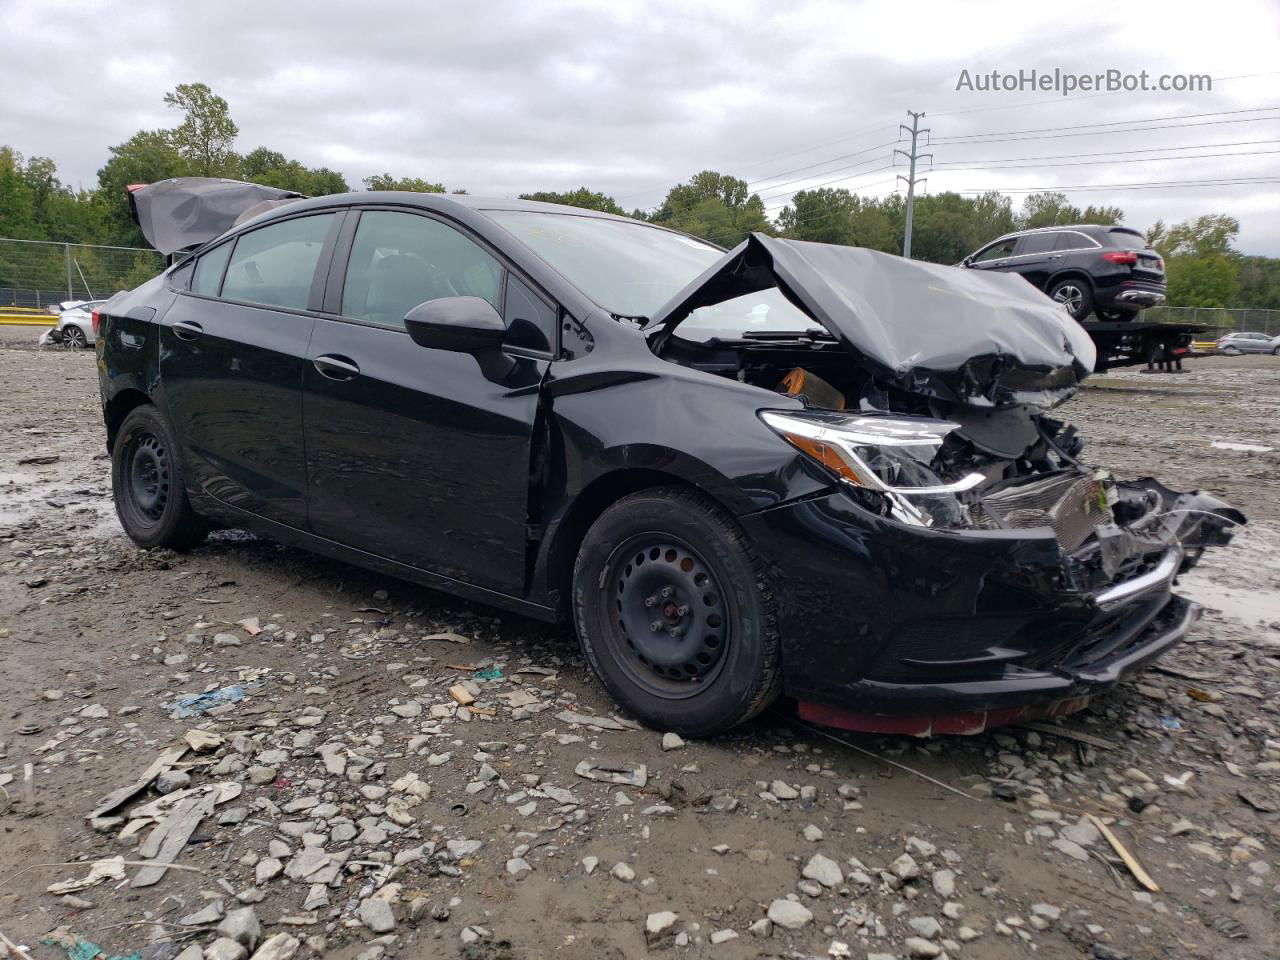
pixel 335 367
pixel 187 330
pixel 1055 256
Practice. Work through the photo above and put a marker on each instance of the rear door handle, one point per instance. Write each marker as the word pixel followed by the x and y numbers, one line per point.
pixel 1055 256
pixel 187 330
pixel 335 367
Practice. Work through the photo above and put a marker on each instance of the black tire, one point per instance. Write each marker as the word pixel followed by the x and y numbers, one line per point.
pixel 722 667
pixel 1074 294
pixel 1231 351
pixel 75 337
pixel 147 484
pixel 1276 352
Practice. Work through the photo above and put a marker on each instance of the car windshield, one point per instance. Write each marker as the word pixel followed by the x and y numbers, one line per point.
pixel 629 269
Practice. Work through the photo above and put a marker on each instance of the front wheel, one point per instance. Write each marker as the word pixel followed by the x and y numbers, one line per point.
pixel 147 484
pixel 1074 295
pixel 675 613
pixel 1231 351
pixel 1276 352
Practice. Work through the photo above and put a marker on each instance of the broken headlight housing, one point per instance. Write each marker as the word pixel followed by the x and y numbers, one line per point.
pixel 889 457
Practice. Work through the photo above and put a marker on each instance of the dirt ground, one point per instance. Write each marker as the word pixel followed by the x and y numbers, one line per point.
pixel 353 810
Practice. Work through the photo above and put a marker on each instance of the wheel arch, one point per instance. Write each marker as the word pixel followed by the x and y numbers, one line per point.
pixel 119 407
pixel 1070 273
pixel 565 536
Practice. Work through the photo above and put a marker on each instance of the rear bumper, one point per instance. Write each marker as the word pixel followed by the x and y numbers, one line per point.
pixel 1131 294
pixel 894 629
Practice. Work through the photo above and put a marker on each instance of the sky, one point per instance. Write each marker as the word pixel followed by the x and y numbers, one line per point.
pixel 632 97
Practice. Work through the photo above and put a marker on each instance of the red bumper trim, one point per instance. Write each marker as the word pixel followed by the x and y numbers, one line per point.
pixel 934 724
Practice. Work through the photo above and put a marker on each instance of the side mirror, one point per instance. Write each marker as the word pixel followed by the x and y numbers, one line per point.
pixel 967 262
pixel 460 324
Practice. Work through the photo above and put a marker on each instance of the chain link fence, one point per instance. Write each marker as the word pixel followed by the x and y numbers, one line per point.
pixel 1220 320
pixel 36 273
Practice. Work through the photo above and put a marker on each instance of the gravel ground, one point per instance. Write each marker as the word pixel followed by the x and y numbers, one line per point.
pixel 348 806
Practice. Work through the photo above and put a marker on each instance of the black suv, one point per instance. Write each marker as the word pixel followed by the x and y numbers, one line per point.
pixel 1110 271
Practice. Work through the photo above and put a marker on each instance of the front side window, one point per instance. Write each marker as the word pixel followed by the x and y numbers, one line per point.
pixel 997 251
pixel 209 269
pixel 274 265
pixel 530 322
pixel 399 260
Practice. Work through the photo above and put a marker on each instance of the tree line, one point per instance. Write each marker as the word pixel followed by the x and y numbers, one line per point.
pixel 1204 268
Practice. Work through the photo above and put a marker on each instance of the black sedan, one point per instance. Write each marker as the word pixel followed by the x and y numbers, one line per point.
pixel 791 467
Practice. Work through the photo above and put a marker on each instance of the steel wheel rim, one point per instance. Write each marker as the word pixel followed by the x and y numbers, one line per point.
pixel 1070 296
pixel 147 477
pixel 668 617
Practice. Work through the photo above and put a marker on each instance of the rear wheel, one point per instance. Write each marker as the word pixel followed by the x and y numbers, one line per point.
pixel 147 484
pixel 1276 352
pixel 675 614
pixel 1074 294
pixel 75 336
pixel 1231 351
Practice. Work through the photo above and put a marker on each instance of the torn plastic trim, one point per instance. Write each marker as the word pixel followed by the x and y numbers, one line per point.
pixel 185 212
pixel 962 336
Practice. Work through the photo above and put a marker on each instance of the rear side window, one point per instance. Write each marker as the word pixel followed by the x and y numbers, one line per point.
pixel 399 260
pixel 1127 240
pixel 209 270
pixel 1037 243
pixel 530 322
pixel 274 265
pixel 1074 241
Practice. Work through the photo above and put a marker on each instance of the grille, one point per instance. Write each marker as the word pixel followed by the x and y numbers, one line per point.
pixel 1067 502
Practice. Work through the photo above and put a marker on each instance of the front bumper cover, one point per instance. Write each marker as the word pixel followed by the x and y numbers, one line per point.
pixel 893 629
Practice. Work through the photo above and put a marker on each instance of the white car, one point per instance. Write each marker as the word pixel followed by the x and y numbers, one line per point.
pixel 1234 343
pixel 75 324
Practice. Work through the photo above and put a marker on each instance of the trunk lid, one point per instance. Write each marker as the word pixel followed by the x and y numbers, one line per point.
pixel 190 211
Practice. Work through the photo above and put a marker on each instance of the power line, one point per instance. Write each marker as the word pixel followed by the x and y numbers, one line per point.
pixel 820 163
pixel 1139 185
pixel 949 168
pixel 1114 123
pixel 1115 153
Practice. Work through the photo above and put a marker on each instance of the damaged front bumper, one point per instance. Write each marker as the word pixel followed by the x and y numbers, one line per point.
pixel 892 628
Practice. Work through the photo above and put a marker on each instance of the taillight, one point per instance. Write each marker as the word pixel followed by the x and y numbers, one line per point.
pixel 97 322
pixel 1121 257
pixel 1160 263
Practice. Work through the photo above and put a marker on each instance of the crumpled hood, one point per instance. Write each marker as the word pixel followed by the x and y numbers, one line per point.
pixel 188 211
pixel 965 336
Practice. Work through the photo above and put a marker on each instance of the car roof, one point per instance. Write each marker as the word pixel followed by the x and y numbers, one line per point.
pixel 1097 231
pixel 443 202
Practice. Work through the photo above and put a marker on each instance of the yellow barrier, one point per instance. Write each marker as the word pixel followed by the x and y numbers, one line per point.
pixel 28 319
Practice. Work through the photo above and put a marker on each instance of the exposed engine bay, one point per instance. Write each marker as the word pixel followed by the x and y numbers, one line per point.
pixel 970 446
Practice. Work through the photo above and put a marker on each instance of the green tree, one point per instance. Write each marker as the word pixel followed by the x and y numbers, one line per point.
pixel 1208 280
pixel 385 181
pixel 1054 210
pixel 1204 236
pixel 714 206
pixel 582 197
pixel 273 169
pixel 207 135
pixel 824 215
pixel 17 202
pixel 1259 283
pixel 147 156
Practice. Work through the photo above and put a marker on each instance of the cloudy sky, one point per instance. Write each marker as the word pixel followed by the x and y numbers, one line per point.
pixel 630 97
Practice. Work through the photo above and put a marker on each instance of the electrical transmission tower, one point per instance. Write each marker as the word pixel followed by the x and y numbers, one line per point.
pixel 911 177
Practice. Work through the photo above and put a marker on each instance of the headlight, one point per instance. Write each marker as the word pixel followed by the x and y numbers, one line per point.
pixel 888 455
